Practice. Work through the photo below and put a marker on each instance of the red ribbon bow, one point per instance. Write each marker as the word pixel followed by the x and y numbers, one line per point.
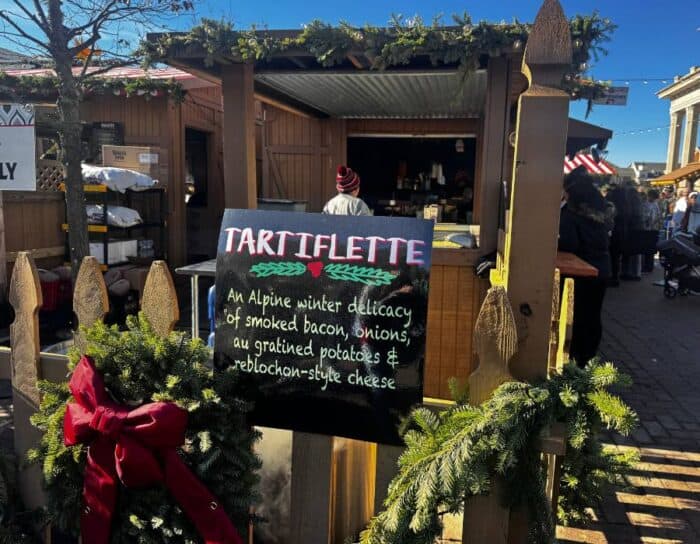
pixel 138 447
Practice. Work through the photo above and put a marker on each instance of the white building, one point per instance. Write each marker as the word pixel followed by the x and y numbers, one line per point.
pixel 646 171
pixel 684 95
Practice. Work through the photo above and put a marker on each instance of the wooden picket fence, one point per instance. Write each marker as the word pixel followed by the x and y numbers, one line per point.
pixel 334 490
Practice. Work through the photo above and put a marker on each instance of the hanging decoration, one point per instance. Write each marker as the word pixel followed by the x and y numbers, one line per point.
pixel 464 44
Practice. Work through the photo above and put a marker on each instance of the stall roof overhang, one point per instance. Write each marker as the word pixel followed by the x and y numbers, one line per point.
pixel 582 135
pixel 690 172
pixel 351 89
pixel 434 94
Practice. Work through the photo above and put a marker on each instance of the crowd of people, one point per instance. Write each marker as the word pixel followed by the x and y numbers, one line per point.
pixel 616 229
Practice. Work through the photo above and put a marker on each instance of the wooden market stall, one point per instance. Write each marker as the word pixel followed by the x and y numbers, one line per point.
pixel 171 114
pixel 514 92
pixel 288 122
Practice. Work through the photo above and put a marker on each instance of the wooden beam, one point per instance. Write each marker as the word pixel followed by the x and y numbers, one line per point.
pixel 3 254
pixel 40 253
pixel 282 106
pixel 240 185
pixel 494 150
pixel 311 501
pixel 177 210
pixel 531 232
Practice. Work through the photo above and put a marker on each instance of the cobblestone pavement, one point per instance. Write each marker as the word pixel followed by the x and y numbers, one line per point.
pixel 657 342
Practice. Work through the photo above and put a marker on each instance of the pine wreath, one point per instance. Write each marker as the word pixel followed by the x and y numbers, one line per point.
pixel 140 367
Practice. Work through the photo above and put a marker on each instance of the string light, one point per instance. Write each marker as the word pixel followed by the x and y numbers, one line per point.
pixel 640 131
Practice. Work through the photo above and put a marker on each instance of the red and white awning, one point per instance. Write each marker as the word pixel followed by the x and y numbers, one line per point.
pixel 589 163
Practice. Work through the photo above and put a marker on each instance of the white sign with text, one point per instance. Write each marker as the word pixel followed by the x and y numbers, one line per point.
pixel 17 148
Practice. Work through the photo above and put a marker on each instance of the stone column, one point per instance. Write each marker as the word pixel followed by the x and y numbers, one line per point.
pixel 690 137
pixel 674 140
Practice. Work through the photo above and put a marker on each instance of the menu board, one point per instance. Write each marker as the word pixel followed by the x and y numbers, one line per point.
pixel 324 318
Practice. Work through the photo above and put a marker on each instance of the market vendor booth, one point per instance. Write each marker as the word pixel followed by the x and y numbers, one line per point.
pixel 429 136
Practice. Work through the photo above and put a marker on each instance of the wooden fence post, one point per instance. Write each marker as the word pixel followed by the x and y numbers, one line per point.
pixel 495 342
pixel 90 299
pixel 25 297
pixel 159 302
pixel 531 238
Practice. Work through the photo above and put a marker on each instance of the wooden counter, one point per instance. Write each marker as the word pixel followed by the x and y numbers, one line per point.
pixel 453 305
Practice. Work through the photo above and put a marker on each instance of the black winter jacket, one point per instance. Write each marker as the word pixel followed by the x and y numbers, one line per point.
pixel 585 234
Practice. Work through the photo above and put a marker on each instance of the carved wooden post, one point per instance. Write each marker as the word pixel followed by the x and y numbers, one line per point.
pixel 25 297
pixel 159 302
pixel 554 328
pixel 531 240
pixel 495 342
pixel 90 299
pixel 566 323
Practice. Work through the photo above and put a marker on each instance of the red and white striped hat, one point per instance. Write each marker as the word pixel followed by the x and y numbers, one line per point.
pixel 346 180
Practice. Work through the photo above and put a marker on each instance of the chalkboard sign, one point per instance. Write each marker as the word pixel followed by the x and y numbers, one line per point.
pixel 324 317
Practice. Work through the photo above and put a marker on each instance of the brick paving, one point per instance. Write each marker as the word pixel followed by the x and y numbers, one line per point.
pixel 657 342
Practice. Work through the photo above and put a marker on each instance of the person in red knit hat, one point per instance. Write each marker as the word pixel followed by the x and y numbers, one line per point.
pixel 346 202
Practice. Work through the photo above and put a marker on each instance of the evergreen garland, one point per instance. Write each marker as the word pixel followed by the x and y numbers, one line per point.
pixel 139 367
pixel 464 44
pixel 45 87
pixel 457 453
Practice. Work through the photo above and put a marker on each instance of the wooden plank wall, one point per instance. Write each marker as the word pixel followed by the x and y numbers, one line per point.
pixel 413 126
pixel 33 221
pixel 300 155
pixel 453 306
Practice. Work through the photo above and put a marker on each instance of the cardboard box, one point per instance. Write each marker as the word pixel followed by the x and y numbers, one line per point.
pixel 147 160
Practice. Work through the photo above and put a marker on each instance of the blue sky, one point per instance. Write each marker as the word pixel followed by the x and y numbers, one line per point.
pixel 654 39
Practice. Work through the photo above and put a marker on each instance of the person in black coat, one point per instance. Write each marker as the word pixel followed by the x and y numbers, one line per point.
pixel 585 223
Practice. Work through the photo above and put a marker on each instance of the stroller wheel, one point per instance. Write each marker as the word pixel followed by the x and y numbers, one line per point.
pixel 670 292
pixel 683 292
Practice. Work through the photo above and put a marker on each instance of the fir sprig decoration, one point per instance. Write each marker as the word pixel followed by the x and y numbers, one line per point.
pixel 458 453
pixel 138 367
pixel 283 268
pixel 362 274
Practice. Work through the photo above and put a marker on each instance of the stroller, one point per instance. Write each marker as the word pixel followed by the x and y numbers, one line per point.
pixel 680 258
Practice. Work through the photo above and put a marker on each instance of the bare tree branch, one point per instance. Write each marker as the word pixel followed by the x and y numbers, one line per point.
pixel 32 17
pixel 5 17
pixel 41 14
pixel 22 44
